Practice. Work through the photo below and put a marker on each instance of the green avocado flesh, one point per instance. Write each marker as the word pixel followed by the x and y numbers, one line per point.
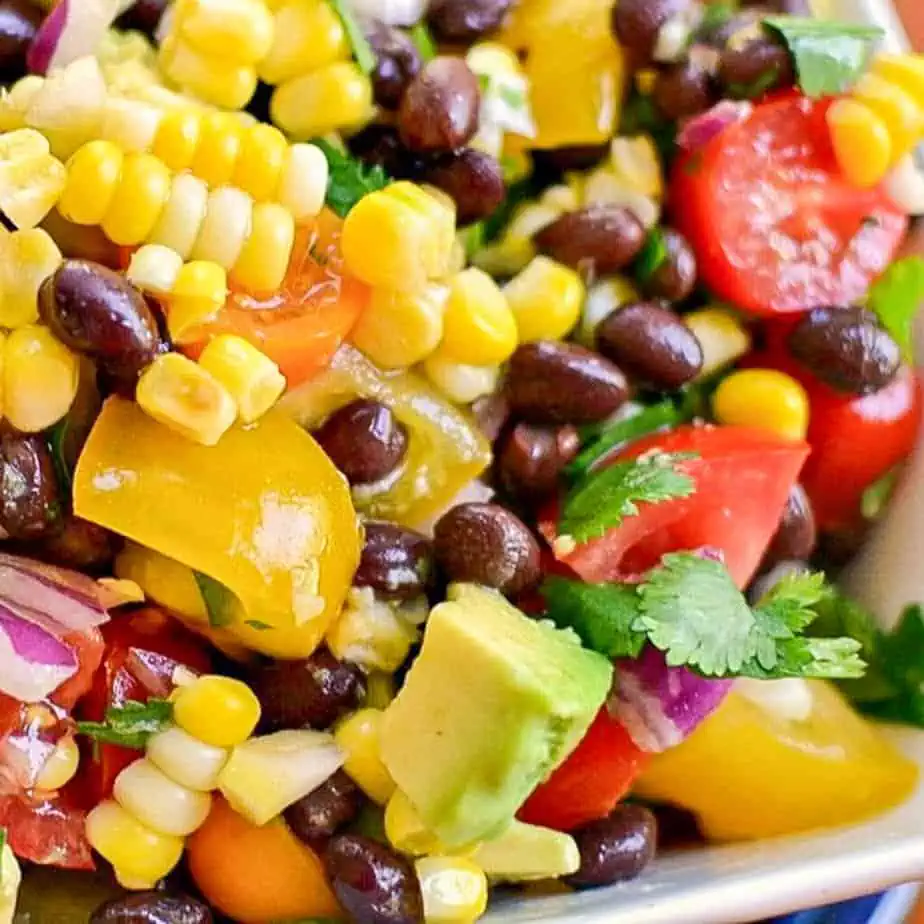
pixel 492 704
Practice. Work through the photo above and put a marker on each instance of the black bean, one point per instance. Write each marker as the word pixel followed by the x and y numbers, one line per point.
pixel 846 348
pixel 472 179
pixel 19 21
pixel 576 157
pixel 364 440
pixel 381 145
pixel 551 382
pixel 796 536
pixel 152 908
pixel 683 89
pixel 486 544
pixel 79 544
pixel 313 693
pixel 651 344
pixel 30 504
pixel 397 63
pixel 531 458
pixel 675 278
pixel 396 562
pixel 143 16
pixel 601 238
pixel 616 848
pixel 335 803
pixel 466 20
pixel 636 24
pixel 763 584
pixel 95 311
pixel 754 68
pixel 439 110
pixel 372 883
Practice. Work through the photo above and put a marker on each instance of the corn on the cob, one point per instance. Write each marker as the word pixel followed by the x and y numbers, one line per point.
pixel 31 178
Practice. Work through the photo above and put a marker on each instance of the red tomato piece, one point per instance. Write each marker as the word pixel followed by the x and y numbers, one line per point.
pixel 774 224
pixel 742 479
pixel 590 783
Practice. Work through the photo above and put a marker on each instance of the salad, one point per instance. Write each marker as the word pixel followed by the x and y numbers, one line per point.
pixel 430 435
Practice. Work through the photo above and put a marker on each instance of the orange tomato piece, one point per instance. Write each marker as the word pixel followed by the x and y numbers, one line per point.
pixel 257 875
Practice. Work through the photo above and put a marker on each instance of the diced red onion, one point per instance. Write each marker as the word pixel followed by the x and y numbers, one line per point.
pixel 72 30
pixel 703 128
pixel 33 661
pixel 660 705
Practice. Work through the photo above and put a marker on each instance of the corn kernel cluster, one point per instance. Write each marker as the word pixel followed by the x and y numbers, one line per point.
pixel 882 119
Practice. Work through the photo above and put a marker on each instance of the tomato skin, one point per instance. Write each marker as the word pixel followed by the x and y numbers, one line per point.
pixel 742 479
pixel 590 783
pixel 776 228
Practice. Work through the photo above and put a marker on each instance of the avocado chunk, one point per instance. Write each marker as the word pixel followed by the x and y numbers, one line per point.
pixel 526 852
pixel 494 702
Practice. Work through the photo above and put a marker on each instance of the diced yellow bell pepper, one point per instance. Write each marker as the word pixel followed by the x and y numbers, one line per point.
pixel 264 513
pixel 780 757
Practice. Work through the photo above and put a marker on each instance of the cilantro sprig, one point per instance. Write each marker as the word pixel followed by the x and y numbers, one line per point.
pixel 131 724
pixel 362 50
pixel 690 609
pixel 350 179
pixel 218 600
pixel 896 299
pixel 605 498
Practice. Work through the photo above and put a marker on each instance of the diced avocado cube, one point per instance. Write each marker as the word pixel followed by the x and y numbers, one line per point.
pixel 526 852
pixel 492 704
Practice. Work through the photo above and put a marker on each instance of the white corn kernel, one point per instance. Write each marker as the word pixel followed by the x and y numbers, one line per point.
pixel 130 125
pixel 186 760
pixel 454 889
pixel 460 382
pixel 181 220
pixel 303 184
pixel 154 268
pixel 227 224
pixel 158 802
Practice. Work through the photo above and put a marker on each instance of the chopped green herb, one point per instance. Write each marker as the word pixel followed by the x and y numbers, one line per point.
pixel 362 50
pixel 716 15
pixel 350 179
pixel 257 624
pixel 896 299
pixel 756 88
pixel 57 441
pixel 641 117
pixel 218 600
pixel 604 499
pixel 484 83
pixel 512 96
pixel 877 496
pixel 652 255
pixel 829 56
pixel 131 724
pixel 420 36
pixel 511 167
pixel 472 238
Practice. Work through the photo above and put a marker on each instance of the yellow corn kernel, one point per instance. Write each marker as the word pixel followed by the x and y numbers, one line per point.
pixel 181 220
pixel 635 162
pixel 900 111
pixel 515 249
pixel 186 760
pixel 93 175
pixel 380 690
pixel 220 711
pixel 440 212
pixel 454 889
pixel 16 100
pixel 154 268
pixel 27 258
pixel 405 830
pixel 31 179
pixel 862 142
pixel 39 378
pixel 178 138
pixel 220 139
pixel 303 183
pixel 260 161
pixel 139 200
pixel 263 261
pixel 218 81
pixel 721 335
pixel 905 71
pixel 763 398
pixel 226 227
pixel 61 765
pixel 252 379
pixel 335 97
pixel 545 299
pixel 198 294
pixel 308 35
pixel 461 383
pixel 130 124
pixel 139 856
pixel 399 329
pixel 479 326
pixel 358 735
pixel 182 396
pixel 241 30
pixel 602 300
pixel 156 801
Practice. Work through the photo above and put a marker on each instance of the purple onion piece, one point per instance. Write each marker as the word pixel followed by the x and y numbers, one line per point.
pixel 33 661
pixel 703 128
pixel 72 30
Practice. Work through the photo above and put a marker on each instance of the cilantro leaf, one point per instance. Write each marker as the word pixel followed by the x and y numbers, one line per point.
pixel 652 255
pixel 362 50
pixel 605 498
pixel 350 179
pixel 131 724
pixel 828 55
pixel 218 600
pixel 896 299
pixel 420 36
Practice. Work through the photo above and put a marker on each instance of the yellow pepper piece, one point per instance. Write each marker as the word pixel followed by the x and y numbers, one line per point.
pixel 901 112
pixel 264 513
pixel 780 760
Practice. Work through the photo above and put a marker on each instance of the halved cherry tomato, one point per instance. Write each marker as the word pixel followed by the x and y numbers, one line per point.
pixel 590 783
pixel 742 479
pixel 774 224
pixel 301 326
pixel 143 649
